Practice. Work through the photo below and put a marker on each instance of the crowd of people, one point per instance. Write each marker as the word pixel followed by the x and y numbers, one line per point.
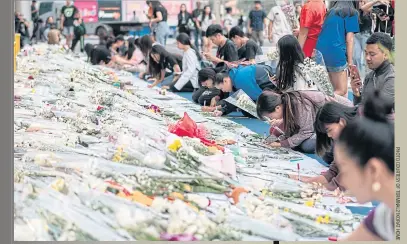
pixel 355 137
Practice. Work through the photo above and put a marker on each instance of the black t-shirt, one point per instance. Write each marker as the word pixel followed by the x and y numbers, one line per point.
pixel 34 16
pixel 100 53
pixel 170 61
pixel 365 24
pixel 195 14
pixel 249 51
pixel 228 52
pixel 163 12
pixel 69 13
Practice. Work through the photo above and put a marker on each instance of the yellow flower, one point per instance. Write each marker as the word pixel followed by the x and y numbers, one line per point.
pixel 309 203
pixel 326 219
pixel 175 146
pixel 286 210
pixel 58 185
pixel 33 91
pixel 177 195
pixel 319 219
pixel 187 188
pixel 264 192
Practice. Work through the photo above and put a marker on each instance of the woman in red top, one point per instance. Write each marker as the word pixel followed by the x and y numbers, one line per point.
pixel 311 20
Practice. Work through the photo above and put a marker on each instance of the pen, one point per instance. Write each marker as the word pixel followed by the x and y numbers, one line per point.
pixel 298 167
pixel 296 160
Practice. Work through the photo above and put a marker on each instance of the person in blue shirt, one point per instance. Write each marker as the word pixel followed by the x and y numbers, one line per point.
pixel 335 42
pixel 251 79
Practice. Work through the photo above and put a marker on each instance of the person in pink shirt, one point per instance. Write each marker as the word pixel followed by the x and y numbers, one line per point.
pixel 311 21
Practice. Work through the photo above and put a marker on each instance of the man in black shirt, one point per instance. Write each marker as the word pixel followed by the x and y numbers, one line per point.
pixel 227 51
pixel 21 27
pixel 247 49
pixel 67 21
pixel 197 32
pixel 35 19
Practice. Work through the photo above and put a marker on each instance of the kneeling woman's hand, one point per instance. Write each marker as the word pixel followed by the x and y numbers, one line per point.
pixel 208 109
pixel 217 113
pixel 274 144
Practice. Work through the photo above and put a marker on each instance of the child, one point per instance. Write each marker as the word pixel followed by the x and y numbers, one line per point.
pixel 207 92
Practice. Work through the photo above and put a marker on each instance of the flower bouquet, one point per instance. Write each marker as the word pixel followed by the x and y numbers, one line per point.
pixel 288 8
pixel 241 100
pixel 315 68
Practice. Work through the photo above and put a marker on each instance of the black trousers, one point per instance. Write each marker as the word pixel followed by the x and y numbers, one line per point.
pixel 75 41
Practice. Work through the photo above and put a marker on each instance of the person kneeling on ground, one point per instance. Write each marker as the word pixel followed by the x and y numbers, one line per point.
pixel 159 61
pixel 294 113
pixel 207 94
pixel 247 48
pixel 188 81
pixel 227 51
pixel 364 152
pixel 330 121
pixel 135 56
pixel 251 79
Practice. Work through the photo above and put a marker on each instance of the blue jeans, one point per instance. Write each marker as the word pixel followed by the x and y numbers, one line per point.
pixel 162 32
pixel 308 146
pixel 197 37
pixel 358 50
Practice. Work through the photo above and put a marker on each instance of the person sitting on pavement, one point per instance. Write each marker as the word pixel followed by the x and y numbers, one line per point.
pixel 378 54
pixel 188 81
pixel 54 35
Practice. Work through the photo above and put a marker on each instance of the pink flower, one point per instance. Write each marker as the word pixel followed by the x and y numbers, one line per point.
pixel 178 237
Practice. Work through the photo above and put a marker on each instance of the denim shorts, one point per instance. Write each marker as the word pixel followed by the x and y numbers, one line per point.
pixel 337 69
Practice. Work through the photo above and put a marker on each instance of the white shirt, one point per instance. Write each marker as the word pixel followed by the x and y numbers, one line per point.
pixel 281 26
pixel 190 69
pixel 206 22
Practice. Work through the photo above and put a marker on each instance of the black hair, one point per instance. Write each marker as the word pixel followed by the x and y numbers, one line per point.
pixel 213 30
pixel 109 42
pixel 344 8
pixel 155 3
pixel 186 10
pixel 146 43
pixel 236 31
pixel 155 68
pixel 331 113
pixel 257 2
pixel 47 21
pixel 131 48
pixel 204 13
pixel 184 39
pixel 371 135
pixel 291 55
pixel 119 38
pixel 205 74
pixel 382 39
pixel 228 10
pixel 137 43
pixel 220 77
pixel 290 102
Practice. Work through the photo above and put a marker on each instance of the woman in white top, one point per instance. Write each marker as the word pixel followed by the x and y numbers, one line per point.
pixel 188 81
pixel 290 75
pixel 203 22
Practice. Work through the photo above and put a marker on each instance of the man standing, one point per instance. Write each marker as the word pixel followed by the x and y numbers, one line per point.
pixel 257 21
pixel 35 19
pixel 378 52
pixel 68 13
pixel 311 21
pixel 197 32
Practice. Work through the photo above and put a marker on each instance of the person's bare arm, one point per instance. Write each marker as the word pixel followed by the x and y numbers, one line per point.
pixel 302 36
pixel 158 19
pixel 362 234
pixel 62 21
pixel 265 24
pixel 349 47
pixel 368 6
pixel 249 24
pixel 270 32
pixel 158 81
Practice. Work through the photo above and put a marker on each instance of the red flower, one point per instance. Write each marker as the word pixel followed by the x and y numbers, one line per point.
pixel 30 77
